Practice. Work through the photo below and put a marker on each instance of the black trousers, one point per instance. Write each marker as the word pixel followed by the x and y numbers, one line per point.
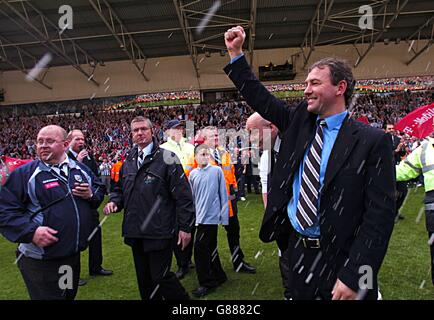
pixel 284 270
pixel 401 193
pixel 430 234
pixel 251 179
pixel 95 246
pixel 154 278
pixel 183 257
pixel 429 221
pixel 208 266
pixel 44 278
pixel 304 283
pixel 233 235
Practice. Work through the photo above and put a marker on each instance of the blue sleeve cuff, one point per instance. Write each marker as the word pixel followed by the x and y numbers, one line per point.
pixel 237 57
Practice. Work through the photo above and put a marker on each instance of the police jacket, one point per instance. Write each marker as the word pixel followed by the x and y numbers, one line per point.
pixel 156 197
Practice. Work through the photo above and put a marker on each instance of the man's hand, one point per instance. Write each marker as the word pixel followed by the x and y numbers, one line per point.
pixel 183 239
pixel 110 208
pixel 43 237
pixel 81 155
pixel 82 190
pixel 342 292
pixel 234 39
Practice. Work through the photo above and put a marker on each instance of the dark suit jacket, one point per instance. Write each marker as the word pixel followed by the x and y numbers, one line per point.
pixel 357 204
pixel 90 163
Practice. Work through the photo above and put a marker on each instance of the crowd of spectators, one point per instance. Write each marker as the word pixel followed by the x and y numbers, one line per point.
pixel 165 96
pixel 108 134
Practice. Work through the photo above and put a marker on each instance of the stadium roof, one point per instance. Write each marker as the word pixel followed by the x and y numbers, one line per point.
pixel 110 30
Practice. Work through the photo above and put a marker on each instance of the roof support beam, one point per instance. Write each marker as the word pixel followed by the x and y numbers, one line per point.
pixel 21 53
pixel 113 23
pixel 188 36
pixel 140 32
pixel 385 27
pixel 252 27
pixel 15 66
pixel 316 25
pixel 44 37
pixel 429 22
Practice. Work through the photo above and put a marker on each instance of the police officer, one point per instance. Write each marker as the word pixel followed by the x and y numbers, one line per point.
pixel 184 151
pixel 421 161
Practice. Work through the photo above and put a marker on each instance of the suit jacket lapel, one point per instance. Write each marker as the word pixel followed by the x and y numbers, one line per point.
pixel 345 142
pixel 308 130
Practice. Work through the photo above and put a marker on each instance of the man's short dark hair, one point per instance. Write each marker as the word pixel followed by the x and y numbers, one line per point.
pixel 141 119
pixel 339 70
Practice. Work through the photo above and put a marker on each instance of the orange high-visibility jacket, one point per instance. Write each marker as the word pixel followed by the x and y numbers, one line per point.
pixel 116 169
pixel 228 172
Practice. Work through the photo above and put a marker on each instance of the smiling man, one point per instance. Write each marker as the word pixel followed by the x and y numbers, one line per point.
pixel 46 207
pixel 331 202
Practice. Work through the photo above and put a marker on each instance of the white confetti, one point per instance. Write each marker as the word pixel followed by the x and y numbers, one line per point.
pixel 431 240
pixel 422 284
pixel 63 30
pixel 254 289
pixel 18 259
pixel 41 64
pixel 411 46
pixel 258 254
pixel 96 229
pixel 211 12
pixel 419 215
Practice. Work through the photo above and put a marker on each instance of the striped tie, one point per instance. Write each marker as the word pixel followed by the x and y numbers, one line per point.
pixel 307 206
pixel 140 159
pixel 217 156
pixel 61 168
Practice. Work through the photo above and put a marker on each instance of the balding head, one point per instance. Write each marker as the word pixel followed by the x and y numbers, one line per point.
pixel 262 132
pixel 255 121
pixel 51 144
pixel 57 131
pixel 76 140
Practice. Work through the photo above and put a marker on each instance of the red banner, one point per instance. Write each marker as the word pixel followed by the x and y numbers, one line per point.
pixel 418 123
pixel 363 119
pixel 7 165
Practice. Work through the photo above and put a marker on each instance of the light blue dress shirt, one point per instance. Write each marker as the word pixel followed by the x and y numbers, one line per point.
pixel 237 57
pixel 334 123
pixel 147 150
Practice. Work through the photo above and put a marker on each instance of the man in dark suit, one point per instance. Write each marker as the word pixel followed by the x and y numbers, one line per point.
pixel 266 136
pixel 398 147
pixel 78 153
pixel 331 202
